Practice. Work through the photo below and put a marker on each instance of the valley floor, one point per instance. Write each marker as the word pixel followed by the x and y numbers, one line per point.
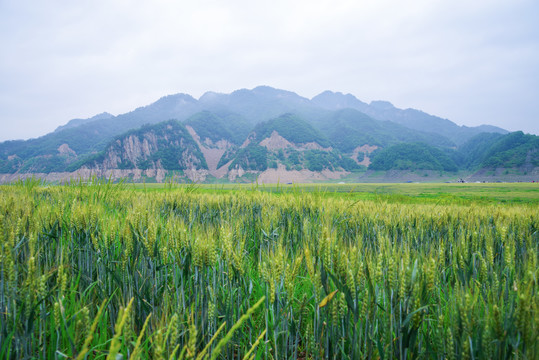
pixel 283 176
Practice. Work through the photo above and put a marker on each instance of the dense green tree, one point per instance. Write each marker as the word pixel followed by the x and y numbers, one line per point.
pixel 412 156
pixel 253 157
pixel 293 129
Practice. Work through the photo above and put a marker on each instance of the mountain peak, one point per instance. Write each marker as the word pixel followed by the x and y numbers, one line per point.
pixel 176 98
pixel 265 88
pixel 336 100
pixel 211 95
pixel 103 115
pixel 382 105
pixel 76 122
pixel 265 91
pixel 329 120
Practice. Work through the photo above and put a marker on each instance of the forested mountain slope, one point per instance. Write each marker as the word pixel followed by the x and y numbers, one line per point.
pixel 266 128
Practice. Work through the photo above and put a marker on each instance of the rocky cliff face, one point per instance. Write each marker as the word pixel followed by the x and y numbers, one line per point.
pixel 212 151
pixel 165 146
pixel 341 119
pixel 276 150
pixel 363 152
pixel 131 149
pixel 275 142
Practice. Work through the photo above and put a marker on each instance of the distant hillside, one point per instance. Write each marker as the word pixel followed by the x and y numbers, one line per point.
pixel 215 127
pixel 337 101
pixel 513 150
pixel 217 135
pixel 350 128
pixel 490 150
pixel 52 152
pixel 292 128
pixel 167 145
pixel 260 104
pixel 473 152
pixel 411 118
pixel 291 143
pixel 266 130
pixel 414 156
pixel 77 122
pixel 484 151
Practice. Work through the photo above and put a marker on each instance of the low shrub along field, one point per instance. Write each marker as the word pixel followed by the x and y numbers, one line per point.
pixel 109 271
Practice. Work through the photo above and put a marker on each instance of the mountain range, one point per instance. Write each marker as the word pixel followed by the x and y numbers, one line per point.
pixel 269 134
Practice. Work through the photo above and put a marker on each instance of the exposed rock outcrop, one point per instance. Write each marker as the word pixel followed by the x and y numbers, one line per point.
pixel 165 146
pixel 212 152
pixel 64 149
pixel 276 142
pixel 366 150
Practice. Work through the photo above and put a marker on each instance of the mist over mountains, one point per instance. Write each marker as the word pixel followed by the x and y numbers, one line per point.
pixel 269 134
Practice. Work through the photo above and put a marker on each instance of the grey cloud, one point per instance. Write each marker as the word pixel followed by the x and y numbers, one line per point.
pixel 473 63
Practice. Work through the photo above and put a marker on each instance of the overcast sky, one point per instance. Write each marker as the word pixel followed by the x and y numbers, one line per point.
pixel 473 62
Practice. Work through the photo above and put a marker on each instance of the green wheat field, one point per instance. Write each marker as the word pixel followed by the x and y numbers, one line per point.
pixel 355 271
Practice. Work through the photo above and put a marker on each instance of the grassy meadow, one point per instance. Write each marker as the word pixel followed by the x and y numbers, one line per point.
pixel 451 193
pixel 364 271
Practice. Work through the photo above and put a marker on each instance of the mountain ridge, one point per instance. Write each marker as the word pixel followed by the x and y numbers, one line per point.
pixel 246 129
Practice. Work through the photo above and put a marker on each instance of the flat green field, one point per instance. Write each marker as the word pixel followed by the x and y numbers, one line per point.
pixel 414 192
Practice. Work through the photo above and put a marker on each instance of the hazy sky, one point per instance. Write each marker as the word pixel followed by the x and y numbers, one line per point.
pixel 473 62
